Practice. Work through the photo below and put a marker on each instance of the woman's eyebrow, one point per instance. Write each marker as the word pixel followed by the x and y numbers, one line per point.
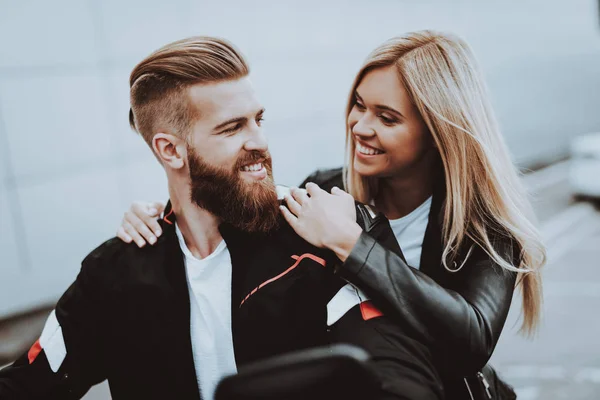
pixel 387 108
pixel 379 106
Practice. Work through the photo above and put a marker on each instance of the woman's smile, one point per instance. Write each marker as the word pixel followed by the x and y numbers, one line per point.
pixel 367 152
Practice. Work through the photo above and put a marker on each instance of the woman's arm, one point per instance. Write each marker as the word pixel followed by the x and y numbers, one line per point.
pixel 465 324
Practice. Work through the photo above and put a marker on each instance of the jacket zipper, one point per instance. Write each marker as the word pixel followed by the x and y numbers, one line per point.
pixel 485 384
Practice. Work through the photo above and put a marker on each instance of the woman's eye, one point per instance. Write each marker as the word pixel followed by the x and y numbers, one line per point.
pixel 387 120
pixel 360 106
pixel 259 120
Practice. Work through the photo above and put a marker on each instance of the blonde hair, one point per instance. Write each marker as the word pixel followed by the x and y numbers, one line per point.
pixel 157 84
pixel 484 195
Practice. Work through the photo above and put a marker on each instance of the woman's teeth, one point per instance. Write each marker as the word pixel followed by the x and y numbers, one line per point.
pixel 367 150
pixel 252 167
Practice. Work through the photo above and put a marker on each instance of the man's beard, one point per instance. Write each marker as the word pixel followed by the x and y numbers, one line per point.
pixel 249 206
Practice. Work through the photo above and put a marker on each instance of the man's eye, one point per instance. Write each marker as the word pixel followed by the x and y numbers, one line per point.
pixel 233 129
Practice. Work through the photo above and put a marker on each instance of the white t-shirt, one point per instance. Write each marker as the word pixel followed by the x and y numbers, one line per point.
pixel 209 283
pixel 410 232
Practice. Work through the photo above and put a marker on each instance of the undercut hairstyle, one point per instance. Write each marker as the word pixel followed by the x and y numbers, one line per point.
pixel 158 95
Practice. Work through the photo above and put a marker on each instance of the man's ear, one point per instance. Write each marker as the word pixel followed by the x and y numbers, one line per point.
pixel 169 149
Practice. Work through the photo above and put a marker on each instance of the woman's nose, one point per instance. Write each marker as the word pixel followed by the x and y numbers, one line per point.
pixel 363 128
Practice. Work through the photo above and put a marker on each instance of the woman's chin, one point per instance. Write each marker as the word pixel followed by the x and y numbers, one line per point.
pixel 367 171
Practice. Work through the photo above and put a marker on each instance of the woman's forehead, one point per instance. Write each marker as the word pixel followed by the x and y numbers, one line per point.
pixel 382 86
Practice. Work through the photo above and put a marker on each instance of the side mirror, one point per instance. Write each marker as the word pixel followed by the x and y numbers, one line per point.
pixel 334 372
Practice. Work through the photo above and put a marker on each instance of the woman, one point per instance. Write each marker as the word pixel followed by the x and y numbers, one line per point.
pixel 423 148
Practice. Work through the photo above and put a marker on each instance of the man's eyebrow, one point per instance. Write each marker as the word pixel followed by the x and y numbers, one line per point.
pixel 236 120
pixel 379 106
pixel 229 122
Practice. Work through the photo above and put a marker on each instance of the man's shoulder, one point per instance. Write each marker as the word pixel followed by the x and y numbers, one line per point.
pixel 111 249
pixel 326 178
pixel 116 261
pixel 286 239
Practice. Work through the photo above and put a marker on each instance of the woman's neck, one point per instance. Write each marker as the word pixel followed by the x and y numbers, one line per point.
pixel 399 195
pixel 398 199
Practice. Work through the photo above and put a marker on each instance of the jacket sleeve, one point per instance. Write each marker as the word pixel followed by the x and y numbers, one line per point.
pixel 463 324
pixel 67 358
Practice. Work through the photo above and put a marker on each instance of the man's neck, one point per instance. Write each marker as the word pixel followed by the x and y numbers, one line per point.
pixel 199 227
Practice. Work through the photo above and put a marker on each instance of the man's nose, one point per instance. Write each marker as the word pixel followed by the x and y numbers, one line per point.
pixel 257 141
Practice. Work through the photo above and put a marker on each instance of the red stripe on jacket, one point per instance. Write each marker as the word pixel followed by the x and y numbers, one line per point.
pixel 295 257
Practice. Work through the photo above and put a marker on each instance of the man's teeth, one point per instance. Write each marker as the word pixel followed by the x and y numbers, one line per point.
pixel 252 167
pixel 367 150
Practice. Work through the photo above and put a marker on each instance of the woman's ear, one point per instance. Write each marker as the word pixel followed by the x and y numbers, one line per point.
pixel 169 149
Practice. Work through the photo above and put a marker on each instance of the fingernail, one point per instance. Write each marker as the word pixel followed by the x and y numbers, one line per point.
pixel 152 211
pixel 152 240
pixel 158 232
pixel 140 243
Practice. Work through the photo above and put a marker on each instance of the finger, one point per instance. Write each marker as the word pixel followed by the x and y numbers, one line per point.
pixel 292 205
pixel 288 216
pixel 148 213
pixel 154 212
pixel 339 192
pixel 300 195
pixel 313 189
pixel 140 208
pixel 156 208
pixel 134 234
pixel 121 234
pixel 155 227
pixel 141 227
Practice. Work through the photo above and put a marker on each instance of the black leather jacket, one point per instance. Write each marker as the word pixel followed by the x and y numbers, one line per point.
pixel 126 318
pixel 458 315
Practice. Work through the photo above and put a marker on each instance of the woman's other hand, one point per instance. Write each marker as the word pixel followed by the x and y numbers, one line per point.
pixel 140 223
pixel 322 219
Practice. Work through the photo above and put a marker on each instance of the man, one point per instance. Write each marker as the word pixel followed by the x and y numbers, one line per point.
pixel 227 283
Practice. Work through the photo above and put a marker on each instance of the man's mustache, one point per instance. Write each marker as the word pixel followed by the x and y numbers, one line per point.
pixel 253 157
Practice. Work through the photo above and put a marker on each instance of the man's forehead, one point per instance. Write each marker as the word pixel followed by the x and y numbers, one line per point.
pixel 224 100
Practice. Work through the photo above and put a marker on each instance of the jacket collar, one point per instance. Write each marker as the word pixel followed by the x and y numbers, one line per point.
pixel 431 251
pixel 242 247
pixel 176 275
